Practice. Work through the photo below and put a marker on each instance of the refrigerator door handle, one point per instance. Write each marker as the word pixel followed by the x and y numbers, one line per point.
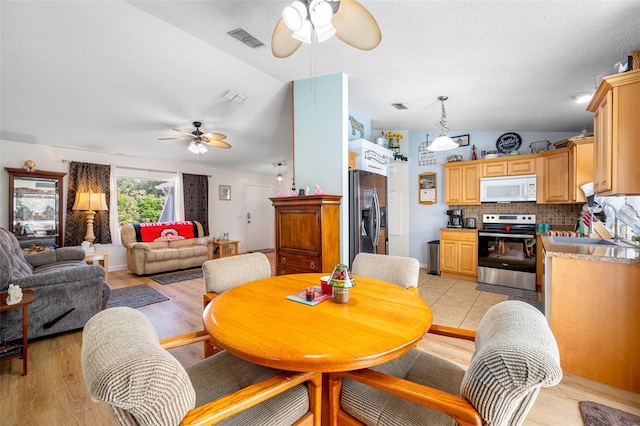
pixel 376 221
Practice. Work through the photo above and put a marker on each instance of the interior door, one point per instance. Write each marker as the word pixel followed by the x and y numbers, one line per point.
pixel 259 218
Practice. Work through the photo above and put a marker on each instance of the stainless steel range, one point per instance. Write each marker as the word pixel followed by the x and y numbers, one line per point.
pixel 506 250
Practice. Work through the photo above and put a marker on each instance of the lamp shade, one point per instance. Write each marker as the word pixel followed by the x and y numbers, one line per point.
pixel 442 143
pixel 93 201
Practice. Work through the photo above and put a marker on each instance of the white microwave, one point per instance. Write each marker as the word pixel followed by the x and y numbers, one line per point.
pixel 508 189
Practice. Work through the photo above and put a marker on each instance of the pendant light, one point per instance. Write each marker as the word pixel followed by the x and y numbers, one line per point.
pixel 278 164
pixel 443 142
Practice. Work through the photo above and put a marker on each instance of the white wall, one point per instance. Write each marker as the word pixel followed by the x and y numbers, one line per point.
pixel 224 216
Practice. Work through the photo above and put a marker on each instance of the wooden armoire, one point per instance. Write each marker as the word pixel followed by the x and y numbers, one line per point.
pixel 307 233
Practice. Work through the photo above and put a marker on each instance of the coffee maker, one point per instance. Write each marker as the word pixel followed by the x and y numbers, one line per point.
pixel 455 218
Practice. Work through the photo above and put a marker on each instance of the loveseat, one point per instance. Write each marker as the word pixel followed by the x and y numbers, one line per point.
pixel 165 246
pixel 68 291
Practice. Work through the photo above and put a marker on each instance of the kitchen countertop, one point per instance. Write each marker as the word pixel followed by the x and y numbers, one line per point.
pixel 460 229
pixel 597 253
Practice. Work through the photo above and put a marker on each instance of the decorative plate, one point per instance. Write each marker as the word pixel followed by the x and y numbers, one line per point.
pixel 508 142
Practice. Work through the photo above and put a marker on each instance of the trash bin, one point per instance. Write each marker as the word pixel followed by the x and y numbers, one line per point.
pixel 433 257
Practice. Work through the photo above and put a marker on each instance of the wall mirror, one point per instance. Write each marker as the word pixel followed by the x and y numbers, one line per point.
pixel 35 207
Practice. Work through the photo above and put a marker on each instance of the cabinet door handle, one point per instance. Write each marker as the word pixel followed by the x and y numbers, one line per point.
pixel 312 265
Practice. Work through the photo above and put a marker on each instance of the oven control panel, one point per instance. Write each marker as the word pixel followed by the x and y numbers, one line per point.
pixel 510 219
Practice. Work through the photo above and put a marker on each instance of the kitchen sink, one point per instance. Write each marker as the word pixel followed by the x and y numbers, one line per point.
pixel 587 241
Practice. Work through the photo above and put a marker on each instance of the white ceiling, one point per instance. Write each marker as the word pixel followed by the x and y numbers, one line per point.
pixel 114 76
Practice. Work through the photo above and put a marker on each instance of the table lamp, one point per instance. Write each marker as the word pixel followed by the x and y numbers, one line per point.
pixel 90 202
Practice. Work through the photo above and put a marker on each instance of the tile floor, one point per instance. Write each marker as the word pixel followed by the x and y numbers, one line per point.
pixel 456 303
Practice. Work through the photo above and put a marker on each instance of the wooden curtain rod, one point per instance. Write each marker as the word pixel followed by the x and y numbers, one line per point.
pixel 138 168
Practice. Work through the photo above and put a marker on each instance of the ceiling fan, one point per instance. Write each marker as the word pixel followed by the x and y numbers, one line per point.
pixel 347 19
pixel 198 139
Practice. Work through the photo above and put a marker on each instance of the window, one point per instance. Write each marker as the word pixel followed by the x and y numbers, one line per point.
pixel 144 196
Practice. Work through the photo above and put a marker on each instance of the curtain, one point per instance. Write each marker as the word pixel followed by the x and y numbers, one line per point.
pixel 196 199
pixel 87 177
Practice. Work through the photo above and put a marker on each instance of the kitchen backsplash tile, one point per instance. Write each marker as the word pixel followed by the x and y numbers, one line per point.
pixel 560 216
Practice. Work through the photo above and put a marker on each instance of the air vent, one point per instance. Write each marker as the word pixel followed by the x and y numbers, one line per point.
pixel 245 37
pixel 399 106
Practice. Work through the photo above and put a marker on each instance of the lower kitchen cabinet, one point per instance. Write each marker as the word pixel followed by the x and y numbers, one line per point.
pixel 459 254
pixel 592 308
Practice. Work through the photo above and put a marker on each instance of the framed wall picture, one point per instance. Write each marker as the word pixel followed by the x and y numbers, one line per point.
pixel 427 188
pixel 462 140
pixel 224 192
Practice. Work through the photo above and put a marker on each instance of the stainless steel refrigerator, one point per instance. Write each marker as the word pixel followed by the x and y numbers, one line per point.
pixel 367 213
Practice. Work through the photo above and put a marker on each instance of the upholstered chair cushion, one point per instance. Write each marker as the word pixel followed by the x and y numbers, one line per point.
pixel 399 270
pixel 124 365
pixel 374 407
pixel 516 354
pixel 223 274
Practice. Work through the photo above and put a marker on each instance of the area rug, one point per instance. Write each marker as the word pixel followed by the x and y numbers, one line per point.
pixel 174 277
pixel 134 297
pixel 594 414
pixel 529 296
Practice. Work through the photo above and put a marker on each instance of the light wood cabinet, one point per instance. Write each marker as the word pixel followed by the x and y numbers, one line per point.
pixel 616 108
pixel 459 254
pixel 307 233
pixel 555 176
pixel 462 183
pixel 594 317
pixel 352 160
pixel 508 167
pixel 580 167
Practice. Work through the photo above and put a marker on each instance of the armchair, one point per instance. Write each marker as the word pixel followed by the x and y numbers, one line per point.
pixel 516 355
pixel 399 270
pixel 125 365
pixel 68 290
pixel 225 273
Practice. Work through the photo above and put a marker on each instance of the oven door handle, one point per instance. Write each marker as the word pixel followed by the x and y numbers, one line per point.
pixel 492 234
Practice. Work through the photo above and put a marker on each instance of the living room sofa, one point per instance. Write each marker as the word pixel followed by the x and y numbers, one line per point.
pixel 165 246
pixel 68 291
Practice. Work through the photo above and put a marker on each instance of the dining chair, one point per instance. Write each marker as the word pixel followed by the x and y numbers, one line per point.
pixel 515 356
pixel 225 273
pixel 125 365
pixel 399 270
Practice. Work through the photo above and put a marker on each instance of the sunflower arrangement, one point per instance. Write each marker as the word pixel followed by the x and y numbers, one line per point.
pixel 391 135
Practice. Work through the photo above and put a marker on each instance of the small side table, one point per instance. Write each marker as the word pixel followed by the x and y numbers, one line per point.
pixel 27 298
pixel 225 248
pixel 100 257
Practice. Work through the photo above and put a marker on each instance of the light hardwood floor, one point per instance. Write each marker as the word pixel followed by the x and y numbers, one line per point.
pixel 53 393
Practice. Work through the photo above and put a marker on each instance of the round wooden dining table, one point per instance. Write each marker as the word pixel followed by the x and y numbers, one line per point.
pixel 256 322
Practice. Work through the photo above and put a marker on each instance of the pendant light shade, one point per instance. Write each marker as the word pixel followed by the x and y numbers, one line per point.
pixel 443 142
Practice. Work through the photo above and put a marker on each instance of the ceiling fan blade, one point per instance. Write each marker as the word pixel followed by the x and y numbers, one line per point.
pixel 356 26
pixel 282 44
pixel 217 143
pixel 173 139
pixel 183 132
pixel 214 136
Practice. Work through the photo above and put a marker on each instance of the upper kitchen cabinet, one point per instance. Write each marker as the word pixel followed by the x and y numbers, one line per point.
pixel 524 165
pixel 580 167
pixel 462 183
pixel 35 207
pixel 616 124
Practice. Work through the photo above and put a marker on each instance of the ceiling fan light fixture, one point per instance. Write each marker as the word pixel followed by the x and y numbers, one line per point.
pixel 443 142
pixel 295 15
pixel 197 147
pixel 304 33
pixel 320 13
pixel 325 33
